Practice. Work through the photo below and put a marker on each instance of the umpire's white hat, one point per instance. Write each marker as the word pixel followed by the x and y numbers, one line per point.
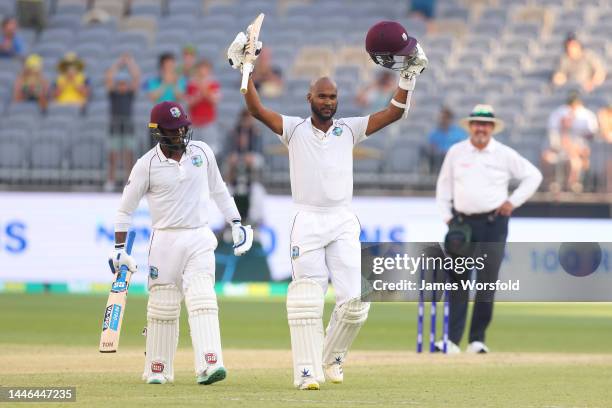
pixel 483 113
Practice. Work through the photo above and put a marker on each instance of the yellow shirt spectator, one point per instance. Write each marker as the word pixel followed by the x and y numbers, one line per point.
pixel 71 85
pixel 70 89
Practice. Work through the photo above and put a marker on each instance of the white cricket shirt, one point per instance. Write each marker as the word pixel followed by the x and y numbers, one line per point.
pixel 476 181
pixel 321 163
pixel 177 192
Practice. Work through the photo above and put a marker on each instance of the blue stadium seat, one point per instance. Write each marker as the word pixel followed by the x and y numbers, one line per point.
pixel 145 8
pixel 13 159
pixel 185 8
pixel 87 159
pixel 71 21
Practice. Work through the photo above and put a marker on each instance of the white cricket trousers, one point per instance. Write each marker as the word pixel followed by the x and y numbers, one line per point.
pixel 177 255
pixel 325 244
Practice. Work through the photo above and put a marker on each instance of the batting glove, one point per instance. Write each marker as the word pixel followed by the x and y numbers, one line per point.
pixel 414 64
pixel 236 50
pixel 118 257
pixel 242 236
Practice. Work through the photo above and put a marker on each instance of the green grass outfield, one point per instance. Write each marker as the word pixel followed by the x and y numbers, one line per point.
pixel 544 355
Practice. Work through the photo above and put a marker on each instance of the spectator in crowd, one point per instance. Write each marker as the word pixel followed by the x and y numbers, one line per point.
pixel 11 43
pixel 122 80
pixel 423 9
pixel 190 59
pixel 570 129
pixel 168 86
pixel 31 84
pixel 244 159
pixel 71 85
pixel 202 95
pixel 376 95
pixel 579 65
pixel 442 138
pixel 268 79
pixel 605 122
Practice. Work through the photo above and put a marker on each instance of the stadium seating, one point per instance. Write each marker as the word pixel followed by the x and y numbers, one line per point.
pixel 479 51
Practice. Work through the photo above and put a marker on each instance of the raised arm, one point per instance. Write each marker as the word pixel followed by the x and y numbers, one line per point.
pixel 390 114
pixel 400 103
pixel 271 119
pixel 236 56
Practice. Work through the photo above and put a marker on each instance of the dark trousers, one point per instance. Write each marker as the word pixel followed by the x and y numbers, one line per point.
pixel 489 234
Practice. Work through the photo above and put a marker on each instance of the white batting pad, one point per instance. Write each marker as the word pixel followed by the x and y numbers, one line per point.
pixel 345 322
pixel 201 302
pixel 163 311
pixel 305 315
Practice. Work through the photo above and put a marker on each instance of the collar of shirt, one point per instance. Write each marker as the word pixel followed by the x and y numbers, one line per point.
pixel 489 148
pixel 163 157
pixel 318 132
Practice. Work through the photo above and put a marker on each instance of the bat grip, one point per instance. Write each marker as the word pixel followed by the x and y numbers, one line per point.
pixel 246 71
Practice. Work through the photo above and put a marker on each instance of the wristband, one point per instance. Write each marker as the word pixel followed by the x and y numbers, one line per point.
pixel 407 84
pixel 397 104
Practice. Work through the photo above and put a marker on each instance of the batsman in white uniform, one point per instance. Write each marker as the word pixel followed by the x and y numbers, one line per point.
pixel 324 231
pixel 178 176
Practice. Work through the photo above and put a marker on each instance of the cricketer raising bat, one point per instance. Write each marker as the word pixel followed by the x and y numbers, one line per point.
pixel 251 48
pixel 115 306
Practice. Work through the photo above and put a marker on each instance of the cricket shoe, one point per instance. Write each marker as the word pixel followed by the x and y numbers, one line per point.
pixel 451 348
pixel 477 347
pixel 308 383
pixel 157 378
pixel 214 376
pixel 334 372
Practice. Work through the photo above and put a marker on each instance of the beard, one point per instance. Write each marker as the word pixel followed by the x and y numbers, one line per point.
pixel 321 115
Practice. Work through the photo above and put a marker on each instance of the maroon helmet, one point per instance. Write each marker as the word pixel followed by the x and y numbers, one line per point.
pixel 169 120
pixel 388 39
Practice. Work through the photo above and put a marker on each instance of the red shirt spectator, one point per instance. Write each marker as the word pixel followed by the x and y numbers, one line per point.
pixel 203 95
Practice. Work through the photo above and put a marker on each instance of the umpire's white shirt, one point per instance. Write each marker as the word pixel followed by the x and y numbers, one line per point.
pixel 476 181
pixel 177 192
pixel 321 163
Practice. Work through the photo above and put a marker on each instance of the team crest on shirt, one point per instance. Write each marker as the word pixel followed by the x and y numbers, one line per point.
pixel 337 131
pixel 295 251
pixel 197 160
pixel 153 272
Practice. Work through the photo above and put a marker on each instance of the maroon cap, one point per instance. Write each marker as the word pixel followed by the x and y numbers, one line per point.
pixel 169 115
pixel 389 38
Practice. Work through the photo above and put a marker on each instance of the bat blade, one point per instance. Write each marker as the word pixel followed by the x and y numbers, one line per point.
pixel 251 48
pixel 115 305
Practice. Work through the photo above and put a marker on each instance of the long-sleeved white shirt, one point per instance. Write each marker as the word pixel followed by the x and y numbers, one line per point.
pixel 177 192
pixel 476 181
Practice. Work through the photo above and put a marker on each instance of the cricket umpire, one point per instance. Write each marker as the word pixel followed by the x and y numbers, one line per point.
pixel 473 196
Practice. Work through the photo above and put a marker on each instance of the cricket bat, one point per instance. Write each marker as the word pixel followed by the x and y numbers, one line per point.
pixel 251 47
pixel 115 306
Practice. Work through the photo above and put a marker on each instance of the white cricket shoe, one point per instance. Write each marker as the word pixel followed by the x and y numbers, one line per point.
pixel 477 347
pixel 334 373
pixel 308 383
pixel 451 348
pixel 157 378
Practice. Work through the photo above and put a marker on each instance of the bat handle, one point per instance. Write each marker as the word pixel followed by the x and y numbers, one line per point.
pixel 246 71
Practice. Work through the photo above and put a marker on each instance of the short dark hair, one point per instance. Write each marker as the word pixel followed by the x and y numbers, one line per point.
pixel 569 37
pixel 204 63
pixel 163 57
pixel 7 20
pixel 448 111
